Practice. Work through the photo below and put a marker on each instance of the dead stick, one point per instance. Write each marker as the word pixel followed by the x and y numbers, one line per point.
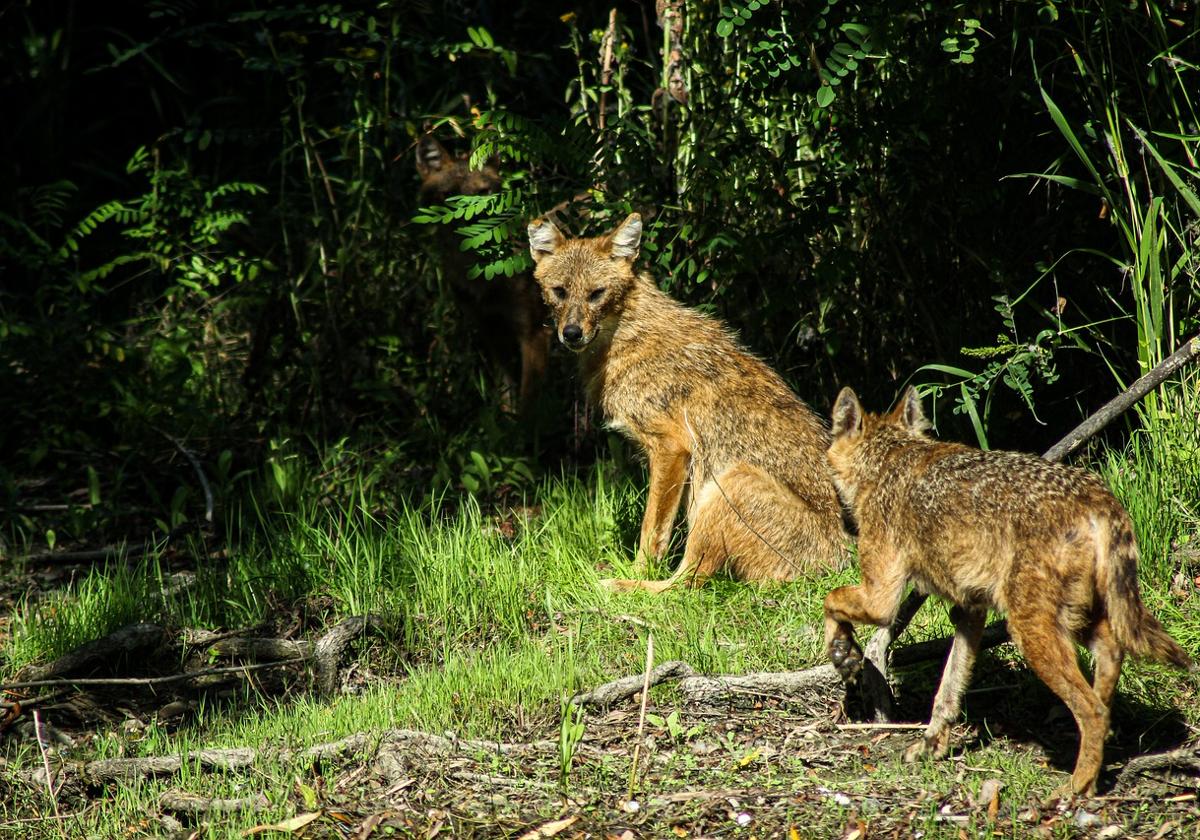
pixel 1189 352
pixel 606 64
pixel 641 730
pixel 170 678
pixel 53 794
pixel 90 554
pixel 208 494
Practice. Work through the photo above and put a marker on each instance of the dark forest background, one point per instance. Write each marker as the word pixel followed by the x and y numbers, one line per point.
pixel 211 238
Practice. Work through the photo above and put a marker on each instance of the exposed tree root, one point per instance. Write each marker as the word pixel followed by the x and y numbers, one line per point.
pixel 1182 758
pixel 624 688
pixel 325 654
pixel 121 643
pixel 709 690
pixel 721 689
pixel 397 743
pixel 182 802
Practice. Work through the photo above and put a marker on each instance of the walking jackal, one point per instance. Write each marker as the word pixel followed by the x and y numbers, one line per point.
pixel 710 417
pixel 1047 544
pixel 505 313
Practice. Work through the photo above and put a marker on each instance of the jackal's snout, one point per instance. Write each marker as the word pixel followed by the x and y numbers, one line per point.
pixel 571 335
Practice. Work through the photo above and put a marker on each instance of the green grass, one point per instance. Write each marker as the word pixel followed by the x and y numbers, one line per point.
pixel 485 635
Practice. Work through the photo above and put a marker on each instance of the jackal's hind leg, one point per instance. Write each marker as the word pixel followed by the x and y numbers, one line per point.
pixel 1050 650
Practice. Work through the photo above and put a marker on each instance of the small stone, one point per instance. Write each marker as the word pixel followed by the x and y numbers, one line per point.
pixel 1109 832
pixel 1086 819
pixel 744 819
pixel 631 807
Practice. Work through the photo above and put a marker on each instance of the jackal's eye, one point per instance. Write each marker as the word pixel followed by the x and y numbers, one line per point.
pixel 594 295
pixel 559 292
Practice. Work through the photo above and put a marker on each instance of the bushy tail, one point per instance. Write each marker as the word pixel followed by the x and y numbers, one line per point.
pixel 1139 632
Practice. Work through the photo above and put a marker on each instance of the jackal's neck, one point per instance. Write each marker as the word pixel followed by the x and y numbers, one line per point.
pixel 627 328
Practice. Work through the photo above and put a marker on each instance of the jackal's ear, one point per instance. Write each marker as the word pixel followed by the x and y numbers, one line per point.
pixel 626 239
pixel 847 414
pixel 544 239
pixel 910 413
pixel 431 155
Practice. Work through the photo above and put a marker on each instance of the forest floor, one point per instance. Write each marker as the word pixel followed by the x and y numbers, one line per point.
pixel 344 671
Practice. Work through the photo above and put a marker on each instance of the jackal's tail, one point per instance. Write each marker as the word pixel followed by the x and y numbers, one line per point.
pixel 1136 629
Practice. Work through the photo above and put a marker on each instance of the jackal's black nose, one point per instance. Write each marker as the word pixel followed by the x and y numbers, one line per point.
pixel 572 333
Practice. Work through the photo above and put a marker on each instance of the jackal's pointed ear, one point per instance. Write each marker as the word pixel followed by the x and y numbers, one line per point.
pixel 431 155
pixel 910 413
pixel 544 239
pixel 626 239
pixel 847 414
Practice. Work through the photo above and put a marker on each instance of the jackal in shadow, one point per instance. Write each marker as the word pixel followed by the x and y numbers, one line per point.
pixel 711 418
pixel 1045 543
pixel 505 314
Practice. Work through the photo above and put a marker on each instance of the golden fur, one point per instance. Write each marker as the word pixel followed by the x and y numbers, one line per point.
pixel 709 416
pixel 1046 544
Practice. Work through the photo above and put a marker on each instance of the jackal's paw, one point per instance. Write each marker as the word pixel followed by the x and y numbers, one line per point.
pixel 847 658
pixel 618 585
pixel 916 750
pixel 936 745
pixel 1068 791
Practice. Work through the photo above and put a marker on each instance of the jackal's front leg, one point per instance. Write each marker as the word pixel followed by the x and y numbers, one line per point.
pixel 876 602
pixel 668 475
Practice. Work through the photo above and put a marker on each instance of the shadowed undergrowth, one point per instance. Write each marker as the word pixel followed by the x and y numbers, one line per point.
pixel 491 617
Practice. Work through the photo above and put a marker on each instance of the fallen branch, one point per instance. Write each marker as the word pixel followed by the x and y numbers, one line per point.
pixel 328 650
pixel 51 791
pixel 109 552
pixel 1183 758
pixel 710 690
pixel 325 654
pixel 208 494
pixel 1188 353
pixel 112 552
pixel 261 650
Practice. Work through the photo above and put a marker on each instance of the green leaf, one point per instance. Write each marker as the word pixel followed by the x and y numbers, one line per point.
pixel 93 485
pixel 481 464
pixel 825 96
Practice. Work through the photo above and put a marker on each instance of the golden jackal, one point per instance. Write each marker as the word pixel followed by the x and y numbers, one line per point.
pixel 1047 544
pixel 762 505
pixel 506 313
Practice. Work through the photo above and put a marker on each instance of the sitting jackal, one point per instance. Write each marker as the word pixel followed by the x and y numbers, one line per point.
pixel 710 417
pixel 1047 544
